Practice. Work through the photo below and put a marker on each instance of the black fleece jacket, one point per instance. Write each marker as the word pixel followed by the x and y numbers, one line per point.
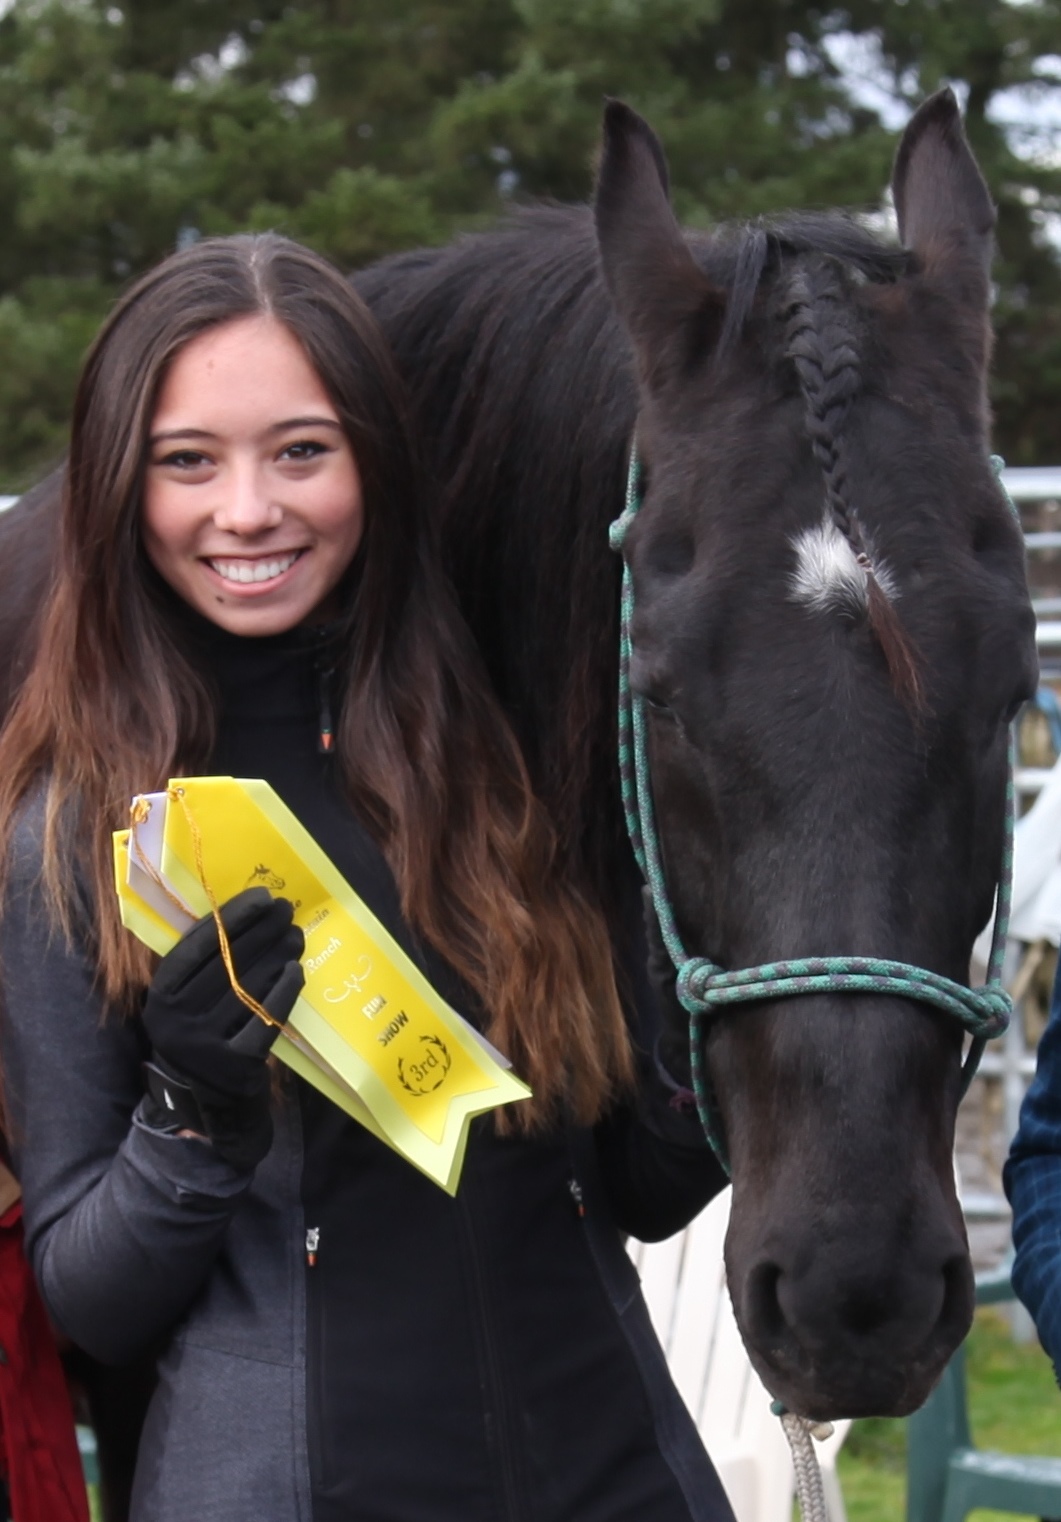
pixel 503 1249
pixel 486 1357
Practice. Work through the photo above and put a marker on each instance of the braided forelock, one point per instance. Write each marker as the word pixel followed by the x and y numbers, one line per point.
pixel 822 342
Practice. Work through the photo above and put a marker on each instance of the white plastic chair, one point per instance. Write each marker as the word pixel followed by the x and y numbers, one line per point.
pixel 1035 912
pixel 684 1284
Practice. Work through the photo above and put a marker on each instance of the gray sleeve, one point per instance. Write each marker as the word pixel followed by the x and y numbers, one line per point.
pixel 122 1223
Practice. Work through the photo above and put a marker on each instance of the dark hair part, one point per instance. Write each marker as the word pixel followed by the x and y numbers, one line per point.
pixel 112 705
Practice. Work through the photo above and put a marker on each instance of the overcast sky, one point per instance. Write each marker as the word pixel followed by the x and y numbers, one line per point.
pixel 1031 114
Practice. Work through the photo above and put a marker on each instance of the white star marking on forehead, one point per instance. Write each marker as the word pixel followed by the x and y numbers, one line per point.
pixel 828 575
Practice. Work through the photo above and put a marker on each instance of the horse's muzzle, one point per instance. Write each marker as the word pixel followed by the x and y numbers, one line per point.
pixel 851 1336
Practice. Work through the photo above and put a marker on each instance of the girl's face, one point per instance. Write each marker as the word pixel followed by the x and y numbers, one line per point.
pixel 252 501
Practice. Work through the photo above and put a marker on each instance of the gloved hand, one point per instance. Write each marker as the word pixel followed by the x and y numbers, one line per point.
pixel 672 1048
pixel 209 1069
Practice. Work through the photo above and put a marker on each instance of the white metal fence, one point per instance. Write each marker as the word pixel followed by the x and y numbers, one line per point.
pixel 1012 1060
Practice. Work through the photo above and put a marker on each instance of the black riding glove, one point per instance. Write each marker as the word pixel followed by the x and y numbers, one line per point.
pixel 672 1047
pixel 209 1071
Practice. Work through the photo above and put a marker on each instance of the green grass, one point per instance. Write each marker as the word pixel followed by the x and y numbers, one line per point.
pixel 1014 1405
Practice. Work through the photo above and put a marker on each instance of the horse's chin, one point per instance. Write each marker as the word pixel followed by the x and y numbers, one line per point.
pixel 831 1391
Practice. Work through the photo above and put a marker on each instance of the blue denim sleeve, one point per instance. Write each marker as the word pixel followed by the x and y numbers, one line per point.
pixel 1032 1179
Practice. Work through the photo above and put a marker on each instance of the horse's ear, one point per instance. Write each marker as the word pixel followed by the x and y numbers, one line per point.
pixel 671 310
pixel 946 215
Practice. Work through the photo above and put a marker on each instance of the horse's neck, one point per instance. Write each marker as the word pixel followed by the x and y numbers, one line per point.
pixel 525 401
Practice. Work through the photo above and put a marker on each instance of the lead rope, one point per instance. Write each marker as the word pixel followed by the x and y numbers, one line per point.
pixel 702 986
pixel 809 1488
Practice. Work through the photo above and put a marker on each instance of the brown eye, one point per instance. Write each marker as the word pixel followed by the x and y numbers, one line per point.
pixel 183 459
pixel 303 450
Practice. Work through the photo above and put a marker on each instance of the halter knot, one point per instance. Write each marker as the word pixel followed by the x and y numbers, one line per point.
pixel 618 530
pixel 690 985
pixel 617 533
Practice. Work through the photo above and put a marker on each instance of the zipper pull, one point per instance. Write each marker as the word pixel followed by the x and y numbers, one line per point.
pixel 576 1194
pixel 313 1237
pixel 325 735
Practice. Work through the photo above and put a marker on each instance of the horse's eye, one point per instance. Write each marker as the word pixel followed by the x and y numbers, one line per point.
pixel 658 706
pixel 649 684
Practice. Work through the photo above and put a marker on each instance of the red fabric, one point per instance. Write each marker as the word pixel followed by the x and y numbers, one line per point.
pixel 38 1445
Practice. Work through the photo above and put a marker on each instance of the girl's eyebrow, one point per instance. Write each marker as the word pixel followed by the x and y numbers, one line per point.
pixel 181 433
pixel 305 422
pixel 204 433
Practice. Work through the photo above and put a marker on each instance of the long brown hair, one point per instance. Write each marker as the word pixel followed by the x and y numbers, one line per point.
pixel 113 706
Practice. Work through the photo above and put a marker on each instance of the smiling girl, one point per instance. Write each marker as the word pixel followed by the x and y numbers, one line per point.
pixel 248 583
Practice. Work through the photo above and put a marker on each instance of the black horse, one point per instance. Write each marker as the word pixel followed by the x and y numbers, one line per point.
pixel 833 632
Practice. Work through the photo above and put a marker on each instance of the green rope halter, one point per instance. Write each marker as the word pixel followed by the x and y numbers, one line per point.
pixel 702 986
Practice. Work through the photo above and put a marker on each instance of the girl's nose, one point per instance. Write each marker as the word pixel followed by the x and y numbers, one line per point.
pixel 245 504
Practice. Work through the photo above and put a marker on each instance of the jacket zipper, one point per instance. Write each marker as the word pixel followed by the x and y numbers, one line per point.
pixel 318 1443
pixel 513 1511
pixel 316 1289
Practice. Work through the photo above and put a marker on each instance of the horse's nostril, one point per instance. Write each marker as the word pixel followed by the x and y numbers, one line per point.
pixel 762 1304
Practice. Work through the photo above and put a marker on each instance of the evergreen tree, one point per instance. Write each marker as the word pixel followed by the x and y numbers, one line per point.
pixel 362 126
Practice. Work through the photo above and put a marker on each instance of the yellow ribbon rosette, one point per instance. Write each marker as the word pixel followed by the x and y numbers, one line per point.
pixel 368 1029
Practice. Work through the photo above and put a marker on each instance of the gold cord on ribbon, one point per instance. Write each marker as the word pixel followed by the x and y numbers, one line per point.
pixel 137 814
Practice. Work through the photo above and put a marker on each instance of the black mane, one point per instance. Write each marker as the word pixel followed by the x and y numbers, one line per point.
pixel 526 398
pixel 740 257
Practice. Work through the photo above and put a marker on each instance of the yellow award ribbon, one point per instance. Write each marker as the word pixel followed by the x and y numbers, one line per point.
pixel 368 1028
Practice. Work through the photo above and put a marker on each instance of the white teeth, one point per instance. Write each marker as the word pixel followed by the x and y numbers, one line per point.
pixel 253 570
